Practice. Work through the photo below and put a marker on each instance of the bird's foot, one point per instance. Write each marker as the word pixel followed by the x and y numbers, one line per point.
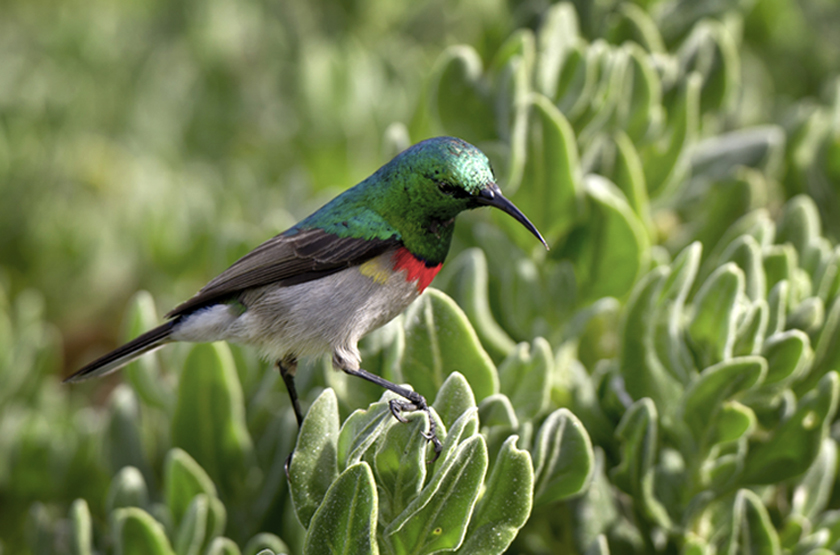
pixel 417 402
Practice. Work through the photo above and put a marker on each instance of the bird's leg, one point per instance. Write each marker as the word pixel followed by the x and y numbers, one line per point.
pixel 415 401
pixel 287 368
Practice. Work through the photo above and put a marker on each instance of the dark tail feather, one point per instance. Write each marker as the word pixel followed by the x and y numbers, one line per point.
pixel 121 356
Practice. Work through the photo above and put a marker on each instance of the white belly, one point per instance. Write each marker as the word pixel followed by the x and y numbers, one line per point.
pixel 327 315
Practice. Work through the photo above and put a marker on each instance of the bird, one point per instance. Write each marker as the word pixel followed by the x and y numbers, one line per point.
pixel 350 267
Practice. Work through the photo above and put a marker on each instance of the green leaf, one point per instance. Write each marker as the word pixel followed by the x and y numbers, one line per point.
pixel 145 374
pixel 454 398
pixel 746 253
pixel 209 420
pixel 125 445
pixel 265 542
pixel 664 160
pixel 733 422
pixel 563 458
pixel 780 262
pixel 705 397
pixel 643 373
pixel 610 252
pixel 438 518
pixel 827 349
pixel 204 520
pixel 400 465
pixel 793 446
pixel 223 546
pixel 749 335
pixel 314 465
pixel 553 197
pixel 81 528
pixel 599 546
pixel 811 496
pixel 630 177
pixel 752 530
pixel 506 504
pixel 346 520
pixel 524 378
pixel 712 330
pixel 360 431
pixel 558 33
pixel 799 224
pixel 459 98
pixel 137 533
pixel 468 287
pixel 788 356
pixel 777 300
pixel 638 433
pixel 809 316
pixel 183 479
pixel 128 489
pixel 497 410
pixel 440 340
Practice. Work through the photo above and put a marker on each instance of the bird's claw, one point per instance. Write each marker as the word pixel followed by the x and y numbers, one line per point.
pixel 398 407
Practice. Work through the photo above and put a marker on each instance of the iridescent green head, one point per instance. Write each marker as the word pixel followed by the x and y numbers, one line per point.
pixel 442 177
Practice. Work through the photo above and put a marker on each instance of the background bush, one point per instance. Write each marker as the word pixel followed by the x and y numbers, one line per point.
pixel 663 380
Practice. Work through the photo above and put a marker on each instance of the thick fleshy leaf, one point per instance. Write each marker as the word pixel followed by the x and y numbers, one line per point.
pixel 553 198
pixel 223 546
pixel 777 300
pixel 360 431
pixel 746 253
pixel 314 464
pixel 809 316
pixel 346 520
pixel 265 544
pixel 610 251
pixel 794 445
pixel 459 98
pixel 524 378
pixel 209 421
pixel 749 335
pixel 599 546
pixel 733 422
pixel 630 177
pixel 128 489
pixel 125 445
pixel 705 397
pixel 497 410
pixel 145 374
pixel 642 371
pixel 780 262
pixel 811 496
pixel 400 465
pixel 468 286
pixel 183 479
pixel 558 33
pixel 506 504
pixel 81 528
pixel 752 530
pixel 788 356
pixel 137 533
pixel 712 330
pixel 440 340
pixel 438 518
pixel 799 224
pixel 563 459
pixel 454 398
pixel 663 162
pixel 669 314
pixel 827 349
pixel 638 433
pixel 204 520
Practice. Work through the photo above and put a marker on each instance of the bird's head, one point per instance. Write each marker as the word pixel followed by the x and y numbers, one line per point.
pixel 444 176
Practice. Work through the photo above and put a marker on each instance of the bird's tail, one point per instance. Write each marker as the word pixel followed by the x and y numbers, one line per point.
pixel 121 356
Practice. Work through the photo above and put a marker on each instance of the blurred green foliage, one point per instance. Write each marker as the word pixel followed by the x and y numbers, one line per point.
pixel 664 380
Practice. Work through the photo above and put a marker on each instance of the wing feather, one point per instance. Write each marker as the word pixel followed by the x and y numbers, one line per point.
pixel 287 260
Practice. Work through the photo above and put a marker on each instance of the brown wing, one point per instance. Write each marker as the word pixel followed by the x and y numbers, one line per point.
pixel 287 260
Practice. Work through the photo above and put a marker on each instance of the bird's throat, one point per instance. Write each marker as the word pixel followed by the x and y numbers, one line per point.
pixel 416 269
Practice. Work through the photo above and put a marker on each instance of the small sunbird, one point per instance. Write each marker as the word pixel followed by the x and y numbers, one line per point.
pixel 347 269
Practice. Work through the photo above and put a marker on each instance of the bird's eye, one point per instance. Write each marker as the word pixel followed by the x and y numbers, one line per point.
pixel 452 190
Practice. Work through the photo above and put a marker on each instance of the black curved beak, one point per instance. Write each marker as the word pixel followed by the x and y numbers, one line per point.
pixel 492 196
